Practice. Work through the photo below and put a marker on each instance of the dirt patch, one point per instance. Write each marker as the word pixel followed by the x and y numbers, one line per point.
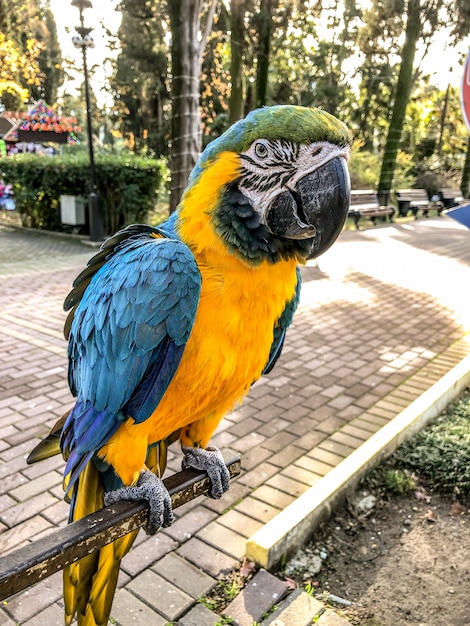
pixel 398 560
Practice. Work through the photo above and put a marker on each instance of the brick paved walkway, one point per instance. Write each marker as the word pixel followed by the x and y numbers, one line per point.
pixel 376 311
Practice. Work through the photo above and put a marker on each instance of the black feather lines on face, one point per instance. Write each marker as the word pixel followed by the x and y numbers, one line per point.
pixel 238 224
pixel 282 153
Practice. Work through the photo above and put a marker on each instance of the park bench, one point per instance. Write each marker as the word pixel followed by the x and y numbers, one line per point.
pixel 415 200
pixel 450 197
pixel 365 205
pixel 38 560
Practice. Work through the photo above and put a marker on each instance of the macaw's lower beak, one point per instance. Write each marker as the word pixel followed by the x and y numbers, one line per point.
pixel 316 209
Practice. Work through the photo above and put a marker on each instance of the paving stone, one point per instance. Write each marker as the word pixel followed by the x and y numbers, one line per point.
pixel 21 512
pixel 160 595
pixel 240 523
pixel 127 609
pixel 298 609
pixel 199 615
pixel 36 486
pixel 278 441
pixel 258 510
pixel 286 456
pixel 5 503
pixel 147 552
pixel 224 539
pixel 349 440
pixel 262 592
pixel 184 575
pixel 258 475
pixel 273 496
pixel 365 425
pixel 319 468
pixel 288 484
pixel 300 475
pixel 330 458
pixel 43 467
pixel 57 513
pixel 19 535
pixel 236 492
pixel 212 561
pixel 52 616
pixel 188 525
pixel 310 440
pixel 5 620
pixel 254 456
pixel 32 601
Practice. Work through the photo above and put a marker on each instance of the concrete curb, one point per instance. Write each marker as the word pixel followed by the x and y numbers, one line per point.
pixel 293 526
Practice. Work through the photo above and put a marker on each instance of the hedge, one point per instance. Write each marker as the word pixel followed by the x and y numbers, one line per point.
pixel 128 187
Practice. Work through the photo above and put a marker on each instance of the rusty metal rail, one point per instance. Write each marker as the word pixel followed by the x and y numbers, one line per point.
pixel 38 560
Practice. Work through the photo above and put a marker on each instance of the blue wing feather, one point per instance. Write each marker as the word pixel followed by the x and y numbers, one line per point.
pixel 127 339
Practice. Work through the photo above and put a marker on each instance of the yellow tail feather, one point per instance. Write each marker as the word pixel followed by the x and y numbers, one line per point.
pixel 90 583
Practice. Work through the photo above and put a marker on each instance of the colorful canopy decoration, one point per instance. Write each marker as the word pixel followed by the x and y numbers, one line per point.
pixel 43 124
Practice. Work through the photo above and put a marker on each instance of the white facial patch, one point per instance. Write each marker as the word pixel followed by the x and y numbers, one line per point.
pixel 271 167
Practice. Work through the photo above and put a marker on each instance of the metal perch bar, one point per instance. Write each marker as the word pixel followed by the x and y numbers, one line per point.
pixel 38 560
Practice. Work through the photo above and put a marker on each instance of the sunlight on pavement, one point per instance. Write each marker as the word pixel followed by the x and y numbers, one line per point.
pixel 386 257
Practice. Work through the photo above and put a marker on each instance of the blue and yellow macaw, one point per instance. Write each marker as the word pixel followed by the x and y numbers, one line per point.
pixel 170 326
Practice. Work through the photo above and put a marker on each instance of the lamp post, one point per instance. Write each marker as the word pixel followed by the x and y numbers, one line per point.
pixel 84 41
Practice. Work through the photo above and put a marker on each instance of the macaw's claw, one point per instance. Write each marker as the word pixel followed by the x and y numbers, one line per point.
pixel 211 461
pixel 150 488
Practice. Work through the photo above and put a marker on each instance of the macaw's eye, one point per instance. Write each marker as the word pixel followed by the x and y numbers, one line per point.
pixel 316 151
pixel 261 150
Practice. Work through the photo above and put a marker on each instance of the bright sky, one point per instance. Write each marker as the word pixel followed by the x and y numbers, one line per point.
pixel 67 17
pixel 439 60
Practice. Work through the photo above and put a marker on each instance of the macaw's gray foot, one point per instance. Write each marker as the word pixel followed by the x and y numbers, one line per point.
pixel 211 461
pixel 150 488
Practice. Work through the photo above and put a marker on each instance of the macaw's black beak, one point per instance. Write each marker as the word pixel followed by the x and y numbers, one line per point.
pixel 316 209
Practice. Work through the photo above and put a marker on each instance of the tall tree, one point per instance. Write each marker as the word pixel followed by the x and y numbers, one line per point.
pixel 140 82
pixel 402 93
pixel 18 71
pixel 237 47
pixel 265 27
pixel 424 18
pixel 29 32
pixel 188 40
pixel 44 30
pixel 215 79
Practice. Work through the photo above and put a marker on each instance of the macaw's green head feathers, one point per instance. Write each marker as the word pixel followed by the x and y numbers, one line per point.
pixel 298 124
pixel 286 191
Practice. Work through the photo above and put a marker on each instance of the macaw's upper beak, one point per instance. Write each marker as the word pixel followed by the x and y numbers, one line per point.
pixel 316 209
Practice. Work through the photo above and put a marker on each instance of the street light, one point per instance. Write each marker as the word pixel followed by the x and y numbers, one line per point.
pixel 84 41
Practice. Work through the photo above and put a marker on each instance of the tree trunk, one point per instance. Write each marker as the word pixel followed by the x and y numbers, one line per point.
pixel 265 31
pixel 237 28
pixel 186 59
pixel 403 90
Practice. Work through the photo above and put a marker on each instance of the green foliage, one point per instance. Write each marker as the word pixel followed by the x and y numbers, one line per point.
pixel 141 77
pixel 364 169
pixel 441 452
pixel 398 481
pixel 128 187
pixel 225 620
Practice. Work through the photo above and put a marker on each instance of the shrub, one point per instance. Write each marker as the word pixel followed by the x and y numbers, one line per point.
pixel 127 185
pixel 441 452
